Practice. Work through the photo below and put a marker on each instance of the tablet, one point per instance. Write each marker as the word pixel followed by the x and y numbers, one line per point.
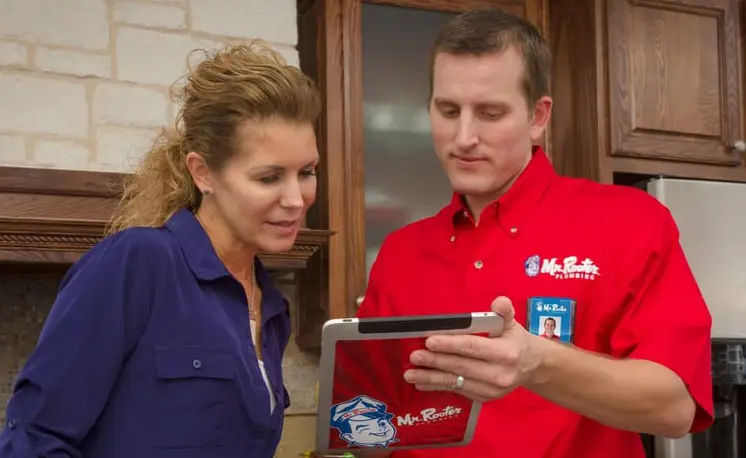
pixel 364 401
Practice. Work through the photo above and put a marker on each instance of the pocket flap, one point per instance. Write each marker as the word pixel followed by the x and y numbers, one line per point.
pixel 193 361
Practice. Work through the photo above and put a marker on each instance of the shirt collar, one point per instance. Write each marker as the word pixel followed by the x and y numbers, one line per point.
pixel 203 260
pixel 517 204
pixel 196 246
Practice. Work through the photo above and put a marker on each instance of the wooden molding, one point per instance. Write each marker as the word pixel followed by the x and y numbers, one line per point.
pixel 54 216
pixel 38 240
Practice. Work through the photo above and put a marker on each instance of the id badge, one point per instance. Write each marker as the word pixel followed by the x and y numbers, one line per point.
pixel 551 318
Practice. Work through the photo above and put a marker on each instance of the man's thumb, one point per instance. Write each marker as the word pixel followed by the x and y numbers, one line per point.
pixel 504 307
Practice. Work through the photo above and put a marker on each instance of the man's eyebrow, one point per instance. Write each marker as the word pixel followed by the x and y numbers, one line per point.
pixel 481 104
pixel 441 101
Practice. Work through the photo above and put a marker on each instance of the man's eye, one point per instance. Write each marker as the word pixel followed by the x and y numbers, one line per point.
pixel 492 115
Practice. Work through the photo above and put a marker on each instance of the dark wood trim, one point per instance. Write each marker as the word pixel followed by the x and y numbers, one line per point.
pixel 39 240
pixel 352 41
pixel 324 55
pixel 54 216
pixel 579 126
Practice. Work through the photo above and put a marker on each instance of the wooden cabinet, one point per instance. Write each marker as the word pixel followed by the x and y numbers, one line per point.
pixel 648 87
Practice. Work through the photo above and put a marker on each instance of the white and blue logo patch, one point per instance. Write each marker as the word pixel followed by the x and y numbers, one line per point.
pixel 364 422
pixel 532 265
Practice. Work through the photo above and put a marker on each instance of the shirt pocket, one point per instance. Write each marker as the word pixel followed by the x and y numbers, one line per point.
pixel 193 387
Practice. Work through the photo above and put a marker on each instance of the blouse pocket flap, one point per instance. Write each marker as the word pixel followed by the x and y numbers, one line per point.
pixel 193 362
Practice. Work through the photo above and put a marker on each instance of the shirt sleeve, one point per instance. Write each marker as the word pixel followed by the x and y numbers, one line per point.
pixel 664 317
pixel 101 309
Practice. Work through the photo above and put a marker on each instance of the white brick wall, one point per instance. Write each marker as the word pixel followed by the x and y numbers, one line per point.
pixel 84 83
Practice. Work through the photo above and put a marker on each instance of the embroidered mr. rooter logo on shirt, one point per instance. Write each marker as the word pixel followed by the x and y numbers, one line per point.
pixel 571 267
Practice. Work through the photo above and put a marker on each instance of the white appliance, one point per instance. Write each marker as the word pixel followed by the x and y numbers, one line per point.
pixel 711 217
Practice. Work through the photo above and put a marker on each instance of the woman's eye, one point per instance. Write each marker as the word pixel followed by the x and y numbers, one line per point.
pixel 308 172
pixel 269 179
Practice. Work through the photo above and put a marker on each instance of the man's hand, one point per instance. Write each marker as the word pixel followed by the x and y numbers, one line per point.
pixel 491 367
pixel 631 394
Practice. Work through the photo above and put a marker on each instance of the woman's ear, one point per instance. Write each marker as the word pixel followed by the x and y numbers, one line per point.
pixel 200 172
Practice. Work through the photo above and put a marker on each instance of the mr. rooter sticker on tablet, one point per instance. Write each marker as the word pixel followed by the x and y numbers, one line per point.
pixel 373 406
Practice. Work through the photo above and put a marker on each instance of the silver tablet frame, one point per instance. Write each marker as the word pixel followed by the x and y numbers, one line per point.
pixel 336 330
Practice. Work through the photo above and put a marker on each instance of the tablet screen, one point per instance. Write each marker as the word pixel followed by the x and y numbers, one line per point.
pixel 373 406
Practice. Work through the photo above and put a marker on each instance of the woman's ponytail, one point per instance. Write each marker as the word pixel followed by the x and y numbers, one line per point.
pixel 159 188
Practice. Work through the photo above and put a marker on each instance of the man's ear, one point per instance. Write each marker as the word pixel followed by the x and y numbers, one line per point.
pixel 199 171
pixel 540 119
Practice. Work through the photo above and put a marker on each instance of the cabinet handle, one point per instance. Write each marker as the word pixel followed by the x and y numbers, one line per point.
pixel 740 146
pixel 359 300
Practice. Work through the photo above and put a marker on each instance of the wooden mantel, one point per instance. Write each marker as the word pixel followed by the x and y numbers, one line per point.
pixel 54 216
pixel 51 218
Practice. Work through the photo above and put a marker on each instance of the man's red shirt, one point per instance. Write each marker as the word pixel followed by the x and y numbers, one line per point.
pixel 641 302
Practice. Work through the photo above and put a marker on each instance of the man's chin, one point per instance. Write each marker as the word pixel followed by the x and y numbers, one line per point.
pixel 473 190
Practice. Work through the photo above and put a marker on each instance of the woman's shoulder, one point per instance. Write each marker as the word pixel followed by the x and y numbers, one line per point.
pixel 135 245
pixel 130 258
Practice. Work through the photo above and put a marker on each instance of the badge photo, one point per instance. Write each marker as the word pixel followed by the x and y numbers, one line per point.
pixel 551 318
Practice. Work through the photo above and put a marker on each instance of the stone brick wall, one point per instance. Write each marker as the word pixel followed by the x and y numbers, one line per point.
pixel 84 83
pixel 84 86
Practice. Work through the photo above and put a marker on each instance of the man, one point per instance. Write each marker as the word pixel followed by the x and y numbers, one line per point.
pixel 550 324
pixel 524 241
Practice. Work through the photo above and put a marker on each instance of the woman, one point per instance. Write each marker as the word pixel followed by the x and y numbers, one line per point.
pixel 166 338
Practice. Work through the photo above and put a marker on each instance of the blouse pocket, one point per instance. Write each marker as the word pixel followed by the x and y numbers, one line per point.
pixel 194 384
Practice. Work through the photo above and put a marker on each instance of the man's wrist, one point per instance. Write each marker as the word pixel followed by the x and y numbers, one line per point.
pixel 538 360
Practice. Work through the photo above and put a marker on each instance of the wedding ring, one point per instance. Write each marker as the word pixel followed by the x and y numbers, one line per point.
pixel 459 384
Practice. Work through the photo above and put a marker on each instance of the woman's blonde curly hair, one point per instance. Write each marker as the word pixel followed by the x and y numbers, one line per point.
pixel 233 85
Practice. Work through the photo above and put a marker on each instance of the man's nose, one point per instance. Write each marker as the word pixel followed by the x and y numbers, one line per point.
pixel 466 136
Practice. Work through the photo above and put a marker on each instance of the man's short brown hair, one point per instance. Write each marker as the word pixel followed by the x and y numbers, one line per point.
pixel 491 30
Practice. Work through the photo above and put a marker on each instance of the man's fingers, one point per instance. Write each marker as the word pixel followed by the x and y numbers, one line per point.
pixel 469 346
pixel 504 307
pixel 433 380
pixel 453 364
pixel 495 350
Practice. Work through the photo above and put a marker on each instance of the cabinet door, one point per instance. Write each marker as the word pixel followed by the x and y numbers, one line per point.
pixel 674 88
